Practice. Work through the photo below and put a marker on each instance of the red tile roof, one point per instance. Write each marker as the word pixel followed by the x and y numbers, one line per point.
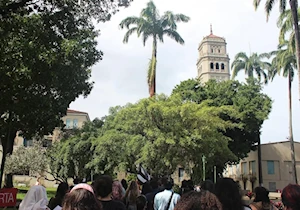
pixel 75 111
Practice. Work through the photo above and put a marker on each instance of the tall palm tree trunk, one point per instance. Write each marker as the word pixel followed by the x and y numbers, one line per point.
pixel 152 85
pixel 294 9
pixel 291 138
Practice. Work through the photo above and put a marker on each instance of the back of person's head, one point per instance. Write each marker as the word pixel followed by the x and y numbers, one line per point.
pixel 154 184
pixel 261 195
pixel 141 202
pixel 62 189
pixel 203 200
pixel 228 194
pixel 290 197
pixel 35 198
pixel 208 185
pixel 103 186
pixel 81 198
pixel 168 183
pixel 124 183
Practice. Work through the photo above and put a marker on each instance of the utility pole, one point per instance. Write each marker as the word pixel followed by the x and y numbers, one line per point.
pixel 215 174
pixel 203 167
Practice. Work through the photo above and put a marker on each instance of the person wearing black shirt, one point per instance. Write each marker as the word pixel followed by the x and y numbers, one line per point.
pixel 103 190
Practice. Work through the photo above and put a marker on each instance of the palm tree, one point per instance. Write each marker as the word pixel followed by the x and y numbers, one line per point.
pixel 151 24
pixel 294 14
pixel 285 63
pixel 251 65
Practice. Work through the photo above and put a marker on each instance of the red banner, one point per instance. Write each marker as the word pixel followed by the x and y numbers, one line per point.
pixel 8 197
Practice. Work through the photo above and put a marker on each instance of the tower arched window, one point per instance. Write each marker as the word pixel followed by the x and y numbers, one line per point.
pixel 219 50
pixel 211 50
pixel 222 66
pixel 217 66
pixel 212 66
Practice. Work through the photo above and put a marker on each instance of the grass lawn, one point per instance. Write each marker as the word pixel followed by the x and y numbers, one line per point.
pixel 20 196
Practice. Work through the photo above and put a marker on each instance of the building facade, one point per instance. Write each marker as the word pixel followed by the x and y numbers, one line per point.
pixel 213 62
pixel 276 167
pixel 73 120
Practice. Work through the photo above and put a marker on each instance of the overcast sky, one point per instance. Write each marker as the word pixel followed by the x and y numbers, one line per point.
pixel 121 76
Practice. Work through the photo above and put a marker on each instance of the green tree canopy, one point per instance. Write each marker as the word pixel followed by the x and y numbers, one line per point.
pixel 247 99
pixel 163 133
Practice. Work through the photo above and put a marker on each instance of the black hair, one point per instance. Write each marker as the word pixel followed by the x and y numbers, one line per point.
pixel 103 186
pixel 141 202
pixel 261 194
pixel 229 195
pixel 124 184
pixel 208 185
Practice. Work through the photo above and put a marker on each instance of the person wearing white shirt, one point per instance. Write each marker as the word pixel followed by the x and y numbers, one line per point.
pixel 167 199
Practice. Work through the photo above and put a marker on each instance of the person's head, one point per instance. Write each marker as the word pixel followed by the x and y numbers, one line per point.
pixel 35 198
pixel 290 197
pixel 117 190
pixel 203 200
pixel 81 197
pixel 62 189
pixel 154 184
pixel 124 183
pixel 228 194
pixel 141 202
pixel 261 195
pixel 208 185
pixel 103 186
pixel 132 192
pixel 168 183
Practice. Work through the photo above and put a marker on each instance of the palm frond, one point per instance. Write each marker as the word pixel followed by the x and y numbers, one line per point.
pixel 128 34
pixel 256 3
pixel 129 21
pixel 174 35
pixel 237 66
pixel 269 6
pixel 145 38
pixel 150 13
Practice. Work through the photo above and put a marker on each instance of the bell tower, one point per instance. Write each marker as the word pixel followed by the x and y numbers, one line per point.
pixel 213 62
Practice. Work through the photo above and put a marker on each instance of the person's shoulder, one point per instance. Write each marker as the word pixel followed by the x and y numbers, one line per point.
pixel 119 204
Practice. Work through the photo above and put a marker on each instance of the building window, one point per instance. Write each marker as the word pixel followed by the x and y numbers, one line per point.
pixel 244 168
pixel 222 66
pixel 211 65
pixel 180 174
pixel 219 50
pixel 271 167
pixel 217 66
pixel 75 123
pixel 212 50
pixel 253 167
pixel 68 123
pixel 272 186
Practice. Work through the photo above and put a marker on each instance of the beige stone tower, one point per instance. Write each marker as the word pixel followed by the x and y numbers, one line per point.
pixel 213 62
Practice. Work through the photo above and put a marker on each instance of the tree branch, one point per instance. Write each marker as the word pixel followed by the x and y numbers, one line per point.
pixel 13 7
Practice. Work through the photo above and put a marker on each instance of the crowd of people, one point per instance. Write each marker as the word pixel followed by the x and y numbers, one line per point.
pixel 156 194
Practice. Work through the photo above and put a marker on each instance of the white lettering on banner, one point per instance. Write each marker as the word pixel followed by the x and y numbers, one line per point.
pixel 6 197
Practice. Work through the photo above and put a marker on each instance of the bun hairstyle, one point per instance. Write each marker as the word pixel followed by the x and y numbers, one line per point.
pixel 290 196
pixel 261 194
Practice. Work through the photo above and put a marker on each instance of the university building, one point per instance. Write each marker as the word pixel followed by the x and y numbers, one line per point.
pixel 276 167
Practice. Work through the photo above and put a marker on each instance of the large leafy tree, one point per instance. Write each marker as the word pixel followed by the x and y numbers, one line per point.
pixel 162 133
pixel 252 105
pixel 70 156
pixel 47 50
pixel 151 25
pixel 295 20
pixel 251 65
pixel 284 63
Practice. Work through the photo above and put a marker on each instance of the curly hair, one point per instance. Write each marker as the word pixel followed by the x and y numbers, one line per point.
pixel 117 190
pixel 290 196
pixel 228 193
pixel 81 199
pixel 203 200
